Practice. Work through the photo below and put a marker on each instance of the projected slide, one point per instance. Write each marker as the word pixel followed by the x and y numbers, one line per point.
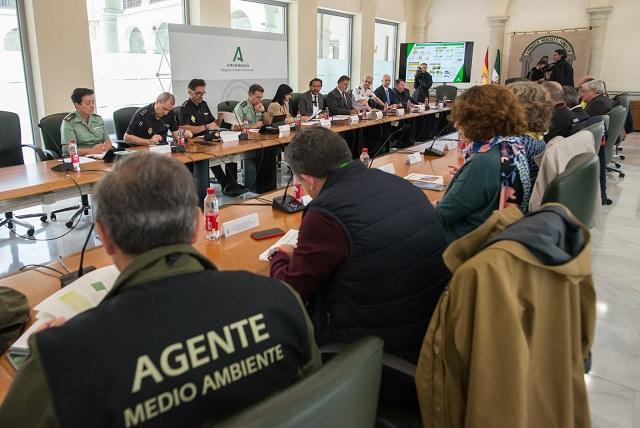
pixel 445 60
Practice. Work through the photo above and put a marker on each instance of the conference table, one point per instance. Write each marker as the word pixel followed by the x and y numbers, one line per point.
pixel 23 186
pixel 237 252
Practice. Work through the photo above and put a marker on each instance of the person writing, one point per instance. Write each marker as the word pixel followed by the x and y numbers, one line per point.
pixel 369 255
pixel 84 125
pixel 311 101
pixel 150 124
pixel 251 109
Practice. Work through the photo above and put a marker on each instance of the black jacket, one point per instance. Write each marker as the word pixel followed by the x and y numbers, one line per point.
pixel 394 274
pixel 336 103
pixel 562 123
pixel 600 105
pixel 422 84
pixel 380 93
pixel 402 98
pixel 562 73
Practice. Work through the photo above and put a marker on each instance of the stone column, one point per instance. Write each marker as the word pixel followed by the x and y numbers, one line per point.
pixel 496 41
pixel 109 26
pixel 598 17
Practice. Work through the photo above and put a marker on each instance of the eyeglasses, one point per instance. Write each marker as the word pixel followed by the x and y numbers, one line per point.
pixel 199 93
pixel 368 82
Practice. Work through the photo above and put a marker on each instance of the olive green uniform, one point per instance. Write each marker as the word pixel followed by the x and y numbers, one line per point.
pixel 30 401
pixel 246 109
pixel 86 134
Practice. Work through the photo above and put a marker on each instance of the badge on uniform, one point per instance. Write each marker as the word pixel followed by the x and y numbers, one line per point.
pixel 150 131
pixel 193 119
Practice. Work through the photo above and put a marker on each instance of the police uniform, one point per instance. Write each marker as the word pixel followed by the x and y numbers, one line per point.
pixel 86 134
pixel 174 343
pixel 246 109
pixel 145 124
pixel 195 115
pixel 360 94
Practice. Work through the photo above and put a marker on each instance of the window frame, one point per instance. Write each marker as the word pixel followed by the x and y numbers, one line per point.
pixel 395 47
pixel 350 32
pixel 281 4
pixel 28 74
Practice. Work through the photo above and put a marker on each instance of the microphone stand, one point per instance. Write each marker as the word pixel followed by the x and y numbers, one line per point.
pixel 379 149
pixel 72 276
pixel 430 151
pixel 288 204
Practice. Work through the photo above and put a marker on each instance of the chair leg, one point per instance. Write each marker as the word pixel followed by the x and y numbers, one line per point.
pixel 83 209
pixel 620 173
pixel 11 221
pixel 55 212
pixel 43 216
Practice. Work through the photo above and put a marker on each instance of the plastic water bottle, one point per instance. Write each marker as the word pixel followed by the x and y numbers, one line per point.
pixel 245 126
pixel 211 213
pixel 298 192
pixel 409 106
pixel 298 121
pixel 181 138
pixel 444 100
pixel 326 113
pixel 72 147
pixel 364 157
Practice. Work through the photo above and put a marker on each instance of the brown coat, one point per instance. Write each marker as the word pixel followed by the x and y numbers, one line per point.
pixel 506 343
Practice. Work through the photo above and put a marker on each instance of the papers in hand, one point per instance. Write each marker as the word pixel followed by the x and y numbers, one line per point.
pixel 84 293
pixel 289 238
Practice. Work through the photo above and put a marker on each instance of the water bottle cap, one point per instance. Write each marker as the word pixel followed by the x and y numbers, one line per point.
pixel 211 191
pixel 365 150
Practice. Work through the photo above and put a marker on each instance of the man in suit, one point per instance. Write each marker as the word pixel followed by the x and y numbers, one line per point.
pixel 401 95
pixel 563 119
pixel 312 100
pixel 594 94
pixel 385 91
pixel 570 97
pixel 339 100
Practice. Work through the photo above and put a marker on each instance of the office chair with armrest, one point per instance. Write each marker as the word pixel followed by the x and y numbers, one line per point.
pixel 449 90
pixel 596 125
pixel 121 119
pixel 11 155
pixel 50 127
pixel 293 103
pixel 343 393
pixel 577 187
pixel 621 99
pixel 617 116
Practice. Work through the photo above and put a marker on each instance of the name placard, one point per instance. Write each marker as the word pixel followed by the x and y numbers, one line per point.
pixel 400 112
pixel 379 115
pixel 229 137
pixel 240 224
pixel 388 167
pixel 354 118
pixel 414 158
pixel 326 123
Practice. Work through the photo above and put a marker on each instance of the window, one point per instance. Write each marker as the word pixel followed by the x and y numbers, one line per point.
pixel 257 15
pixel 334 47
pixel 13 82
pixel 384 53
pixel 127 45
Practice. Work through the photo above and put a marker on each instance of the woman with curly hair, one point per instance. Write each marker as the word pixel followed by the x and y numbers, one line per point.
pixel 497 173
pixel 538 109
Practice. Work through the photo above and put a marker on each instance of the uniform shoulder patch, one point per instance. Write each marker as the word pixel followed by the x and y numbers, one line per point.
pixel 70 116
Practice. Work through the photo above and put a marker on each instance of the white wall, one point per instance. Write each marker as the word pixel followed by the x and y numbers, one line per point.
pixel 621 56
pixel 461 21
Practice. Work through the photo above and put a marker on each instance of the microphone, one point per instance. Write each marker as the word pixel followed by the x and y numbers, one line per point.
pixel 430 151
pixel 379 149
pixel 72 276
pixel 64 166
pixel 287 204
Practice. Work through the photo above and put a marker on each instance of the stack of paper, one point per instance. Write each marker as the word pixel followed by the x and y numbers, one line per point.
pixel 289 238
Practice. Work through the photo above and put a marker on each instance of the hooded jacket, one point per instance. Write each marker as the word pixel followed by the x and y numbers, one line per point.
pixel 507 341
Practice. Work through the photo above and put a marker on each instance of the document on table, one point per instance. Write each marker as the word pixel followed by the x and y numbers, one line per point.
pixel 289 238
pixel 425 178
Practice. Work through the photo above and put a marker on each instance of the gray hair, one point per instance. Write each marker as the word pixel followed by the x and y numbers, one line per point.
pixel 555 91
pixel 147 201
pixel 570 96
pixel 164 97
pixel 596 85
pixel 317 152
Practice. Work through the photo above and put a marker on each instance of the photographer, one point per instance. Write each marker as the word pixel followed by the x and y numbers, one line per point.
pixel 561 70
pixel 536 74
pixel 422 83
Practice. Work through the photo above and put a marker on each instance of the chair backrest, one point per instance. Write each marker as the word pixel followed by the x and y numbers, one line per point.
pixel 597 129
pixel 266 102
pixel 293 103
pixel 121 119
pixel 449 90
pixel 617 116
pixel 227 106
pixel 622 99
pixel 50 129
pixel 577 187
pixel 10 139
pixel 343 393
pixel 176 111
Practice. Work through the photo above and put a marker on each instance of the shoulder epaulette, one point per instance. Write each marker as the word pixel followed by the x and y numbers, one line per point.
pixel 70 116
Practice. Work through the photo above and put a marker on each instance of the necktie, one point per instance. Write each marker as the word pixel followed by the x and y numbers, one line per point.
pixel 344 97
pixel 315 100
pixel 386 91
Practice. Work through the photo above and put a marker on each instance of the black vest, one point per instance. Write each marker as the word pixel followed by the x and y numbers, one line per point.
pixel 240 337
pixel 391 281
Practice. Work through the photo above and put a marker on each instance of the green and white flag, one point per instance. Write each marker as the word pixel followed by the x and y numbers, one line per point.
pixel 495 76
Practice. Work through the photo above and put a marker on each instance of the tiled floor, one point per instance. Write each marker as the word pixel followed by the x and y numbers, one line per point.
pixel 614 382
